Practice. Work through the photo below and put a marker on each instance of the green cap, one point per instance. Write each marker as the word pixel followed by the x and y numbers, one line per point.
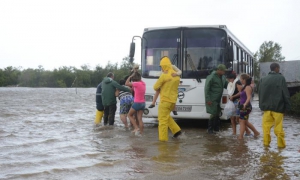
pixel 222 67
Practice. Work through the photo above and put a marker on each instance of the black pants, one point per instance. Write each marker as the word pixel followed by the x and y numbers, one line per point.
pixel 109 114
pixel 214 124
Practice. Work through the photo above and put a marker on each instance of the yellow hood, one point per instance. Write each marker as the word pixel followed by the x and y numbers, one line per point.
pixel 166 65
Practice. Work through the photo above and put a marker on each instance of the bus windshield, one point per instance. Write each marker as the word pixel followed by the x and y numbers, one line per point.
pixel 203 51
pixel 196 51
pixel 157 44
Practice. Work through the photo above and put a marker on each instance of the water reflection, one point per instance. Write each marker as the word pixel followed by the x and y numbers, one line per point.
pixel 168 152
pixel 271 166
pixel 166 162
pixel 227 154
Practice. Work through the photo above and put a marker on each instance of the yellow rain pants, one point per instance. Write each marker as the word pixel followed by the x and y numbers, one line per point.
pixel 165 120
pixel 270 119
pixel 99 115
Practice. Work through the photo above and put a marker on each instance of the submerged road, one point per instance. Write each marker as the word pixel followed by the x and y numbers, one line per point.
pixel 49 134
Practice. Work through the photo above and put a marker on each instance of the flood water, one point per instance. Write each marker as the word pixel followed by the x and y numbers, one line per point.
pixel 48 133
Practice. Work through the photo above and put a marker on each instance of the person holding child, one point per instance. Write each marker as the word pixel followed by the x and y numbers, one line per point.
pixel 168 89
pixel 177 72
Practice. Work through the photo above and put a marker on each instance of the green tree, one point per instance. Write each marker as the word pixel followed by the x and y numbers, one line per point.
pixel 97 76
pixel 124 69
pixel 27 78
pixel 2 78
pixel 64 76
pixel 268 52
pixel 83 78
pixel 10 76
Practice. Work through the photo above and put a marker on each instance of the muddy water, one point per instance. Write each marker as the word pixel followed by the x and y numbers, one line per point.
pixel 49 134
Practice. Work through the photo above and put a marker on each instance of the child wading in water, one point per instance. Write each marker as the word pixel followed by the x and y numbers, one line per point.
pixel 126 101
pixel 178 73
pixel 138 106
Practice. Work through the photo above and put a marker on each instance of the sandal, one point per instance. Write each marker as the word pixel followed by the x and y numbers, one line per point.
pixel 151 106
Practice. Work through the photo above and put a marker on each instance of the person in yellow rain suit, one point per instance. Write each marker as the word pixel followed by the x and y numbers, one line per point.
pixel 274 100
pixel 99 105
pixel 168 86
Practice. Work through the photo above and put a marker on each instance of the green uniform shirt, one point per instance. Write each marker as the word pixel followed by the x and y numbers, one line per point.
pixel 214 86
pixel 273 93
pixel 109 87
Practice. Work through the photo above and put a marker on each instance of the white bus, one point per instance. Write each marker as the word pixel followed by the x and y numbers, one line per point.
pixel 196 50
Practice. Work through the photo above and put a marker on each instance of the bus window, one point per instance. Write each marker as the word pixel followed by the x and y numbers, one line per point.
pixel 159 43
pixel 203 51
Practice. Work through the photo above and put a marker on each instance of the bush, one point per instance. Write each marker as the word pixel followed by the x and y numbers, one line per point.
pixel 295 104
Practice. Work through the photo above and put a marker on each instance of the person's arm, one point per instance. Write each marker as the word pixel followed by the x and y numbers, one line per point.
pixel 286 95
pixel 248 90
pixel 178 71
pixel 207 90
pixel 235 96
pixel 225 82
pixel 120 87
pixel 230 88
pixel 117 92
pixel 128 83
pixel 159 83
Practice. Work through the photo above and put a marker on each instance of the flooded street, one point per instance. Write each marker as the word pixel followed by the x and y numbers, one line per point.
pixel 49 134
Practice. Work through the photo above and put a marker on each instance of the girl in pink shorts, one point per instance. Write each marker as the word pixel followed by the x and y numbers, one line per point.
pixel 138 106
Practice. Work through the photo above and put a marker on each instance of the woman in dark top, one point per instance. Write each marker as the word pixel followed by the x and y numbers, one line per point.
pixel 245 106
pixel 234 94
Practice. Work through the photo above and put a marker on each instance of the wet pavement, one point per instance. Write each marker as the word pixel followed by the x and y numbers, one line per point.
pixel 49 134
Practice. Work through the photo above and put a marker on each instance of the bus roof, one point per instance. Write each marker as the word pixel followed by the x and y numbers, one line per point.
pixel 229 33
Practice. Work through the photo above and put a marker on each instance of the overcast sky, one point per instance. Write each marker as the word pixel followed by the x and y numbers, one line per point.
pixel 55 33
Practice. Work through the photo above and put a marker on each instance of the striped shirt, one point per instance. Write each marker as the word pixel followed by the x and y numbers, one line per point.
pixel 123 93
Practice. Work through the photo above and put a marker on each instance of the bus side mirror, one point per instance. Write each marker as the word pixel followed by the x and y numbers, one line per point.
pixel 131 52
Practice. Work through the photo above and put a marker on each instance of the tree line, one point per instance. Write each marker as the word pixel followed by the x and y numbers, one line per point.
pixel 63 76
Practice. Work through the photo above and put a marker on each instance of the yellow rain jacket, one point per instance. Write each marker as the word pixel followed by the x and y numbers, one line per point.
pixel 168 87
pixel 167 84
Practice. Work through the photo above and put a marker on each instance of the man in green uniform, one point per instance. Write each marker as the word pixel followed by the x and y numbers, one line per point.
pixel 274 100
pixel 214 85
pixel 109 101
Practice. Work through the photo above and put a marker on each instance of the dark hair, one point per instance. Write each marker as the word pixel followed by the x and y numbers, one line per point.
pixel 136 77
pixel 110 74
pixel 248 80
pixel 231 75
pixel 273 66
pixel 122 82
pixel 238 82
